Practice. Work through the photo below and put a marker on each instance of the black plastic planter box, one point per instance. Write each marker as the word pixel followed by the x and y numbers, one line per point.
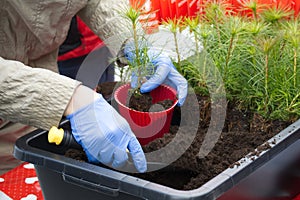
pixel 275 174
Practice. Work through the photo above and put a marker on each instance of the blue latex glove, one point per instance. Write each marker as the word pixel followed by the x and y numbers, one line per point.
pixel 105 135
pixel 165 72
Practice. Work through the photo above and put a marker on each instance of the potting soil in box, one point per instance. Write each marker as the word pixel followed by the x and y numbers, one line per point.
pixel 62 177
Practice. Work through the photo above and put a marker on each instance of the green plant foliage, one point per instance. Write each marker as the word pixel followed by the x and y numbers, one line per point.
pixel 174 25
pixel 256 53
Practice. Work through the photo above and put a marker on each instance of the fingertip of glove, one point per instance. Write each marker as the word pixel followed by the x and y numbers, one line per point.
pixel 143 90
pixel 147 87
pixel 138 155
pixel 180 102
pixel 142 169
pixel 140 162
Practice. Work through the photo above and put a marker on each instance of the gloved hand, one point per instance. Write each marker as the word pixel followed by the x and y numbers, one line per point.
pixel 105 135
pixel 165 71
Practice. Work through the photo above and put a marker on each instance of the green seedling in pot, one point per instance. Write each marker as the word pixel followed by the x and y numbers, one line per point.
pixel 136 48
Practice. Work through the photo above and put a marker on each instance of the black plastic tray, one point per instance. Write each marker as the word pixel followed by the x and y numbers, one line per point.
pixel 64 178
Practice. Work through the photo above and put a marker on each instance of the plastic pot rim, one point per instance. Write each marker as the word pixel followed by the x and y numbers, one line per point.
pixel 124 106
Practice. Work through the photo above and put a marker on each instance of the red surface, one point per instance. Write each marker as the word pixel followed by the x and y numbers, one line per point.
pixel 165 12
pixel 297 197
pixel 172 7
pixel 296 6
pixel 193 7
pixel 21 183
pixel 181 8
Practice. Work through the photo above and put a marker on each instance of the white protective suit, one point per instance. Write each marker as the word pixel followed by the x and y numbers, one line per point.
pixel 30 35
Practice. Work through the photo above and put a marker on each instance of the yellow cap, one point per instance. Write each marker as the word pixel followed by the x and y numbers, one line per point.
pixel 55 135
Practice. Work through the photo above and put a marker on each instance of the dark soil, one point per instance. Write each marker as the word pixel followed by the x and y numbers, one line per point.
pixel 76 154
pixel 106 89
pixel 140 102
pixel 143 102
pixel 244 133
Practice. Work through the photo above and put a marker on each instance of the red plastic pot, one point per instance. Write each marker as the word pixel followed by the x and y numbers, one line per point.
pixel 147 126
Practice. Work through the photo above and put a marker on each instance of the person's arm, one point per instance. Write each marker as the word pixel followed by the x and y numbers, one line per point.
pixel 40 98
pixel 33 96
